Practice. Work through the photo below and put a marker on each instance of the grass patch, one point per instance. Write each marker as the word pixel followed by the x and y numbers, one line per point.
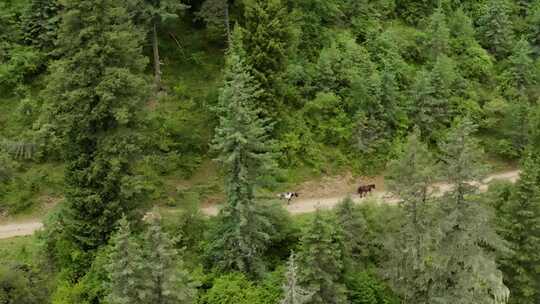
pixel 18 250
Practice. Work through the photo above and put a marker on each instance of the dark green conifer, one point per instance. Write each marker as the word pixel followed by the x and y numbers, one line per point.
pixel 266 36
pixel 496 29
pixel 244 151
pixel 521 228
pixel 94 93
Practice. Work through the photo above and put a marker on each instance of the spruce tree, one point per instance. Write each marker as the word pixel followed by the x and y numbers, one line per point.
pixel 266 36
pixel 216 15
pixel 495 28
pixel 94 93
pixel 521 72
pixel 521 228
pixel 439 34
pixel 165 281
pixel 125 268
pixel 320 261
pixel 244 152
pixel 469 271
pixel 293 293
pixel 353 228
pixel 412 267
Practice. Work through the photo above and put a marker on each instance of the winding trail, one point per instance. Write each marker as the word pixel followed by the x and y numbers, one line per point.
pixel 296 207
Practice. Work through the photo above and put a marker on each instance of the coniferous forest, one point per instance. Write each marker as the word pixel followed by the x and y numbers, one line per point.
pixel 151 144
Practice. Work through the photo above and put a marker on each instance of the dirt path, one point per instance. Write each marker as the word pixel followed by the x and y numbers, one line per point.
pixel 297 206
pixel 305 205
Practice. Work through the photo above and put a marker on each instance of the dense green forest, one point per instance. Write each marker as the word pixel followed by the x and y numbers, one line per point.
pixel 120 118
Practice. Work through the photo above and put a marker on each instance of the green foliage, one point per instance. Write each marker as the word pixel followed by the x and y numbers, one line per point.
pixel 469 238
pixel 19 284
pixel 320 261
pixel 234 288
pixel 243 231
pixel 164 281
pixel 411 267
pixel 93 95
pixel 519 215
pixel 293 293
pixel 364 288
pixel 40 23
pixel 124 267
pixel 265 35
pixel 495 28
pixel 353 227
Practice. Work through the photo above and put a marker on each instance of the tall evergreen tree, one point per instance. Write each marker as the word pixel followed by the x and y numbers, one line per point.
pixel 293 293
pixel 521 72
pixel 521 228
pixel 216 14
pixel 244 151
pixel 321 261
pixel 470 273
pixel 496 29
pixel 353 228
pixel 439 34
pixel 125 267
pixel 266 36
pixel 434 93
pixel 412 265
pixel 94 93
pixel 166 282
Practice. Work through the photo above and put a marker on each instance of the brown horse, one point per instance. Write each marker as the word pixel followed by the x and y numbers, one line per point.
pixel 364 190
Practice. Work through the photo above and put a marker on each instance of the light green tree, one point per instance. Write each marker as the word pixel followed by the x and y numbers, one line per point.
pixel 320 260
pixel 293 293
pixel 412 265
pixel 469 272
pixel 165 280
pixel 125 268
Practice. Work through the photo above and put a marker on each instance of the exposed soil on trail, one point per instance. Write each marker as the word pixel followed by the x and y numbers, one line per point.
pixel 323 194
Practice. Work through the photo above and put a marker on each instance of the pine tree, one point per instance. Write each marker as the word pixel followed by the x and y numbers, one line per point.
pixel 216 15
pixel 353 228
pixel 470 271
pixel 165 282
pixel 125 267
pixel 521 228
pixel 244 151
pixel 521 72
pixel 439 34
pixel 433 94
pixel 293 293
pixel 412 266
pixel 94 93
pixel 495 28
pixel 321 261
pixel 266 36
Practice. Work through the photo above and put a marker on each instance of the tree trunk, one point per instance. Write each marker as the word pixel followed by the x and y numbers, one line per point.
pixel 157 64
pixel 227 23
